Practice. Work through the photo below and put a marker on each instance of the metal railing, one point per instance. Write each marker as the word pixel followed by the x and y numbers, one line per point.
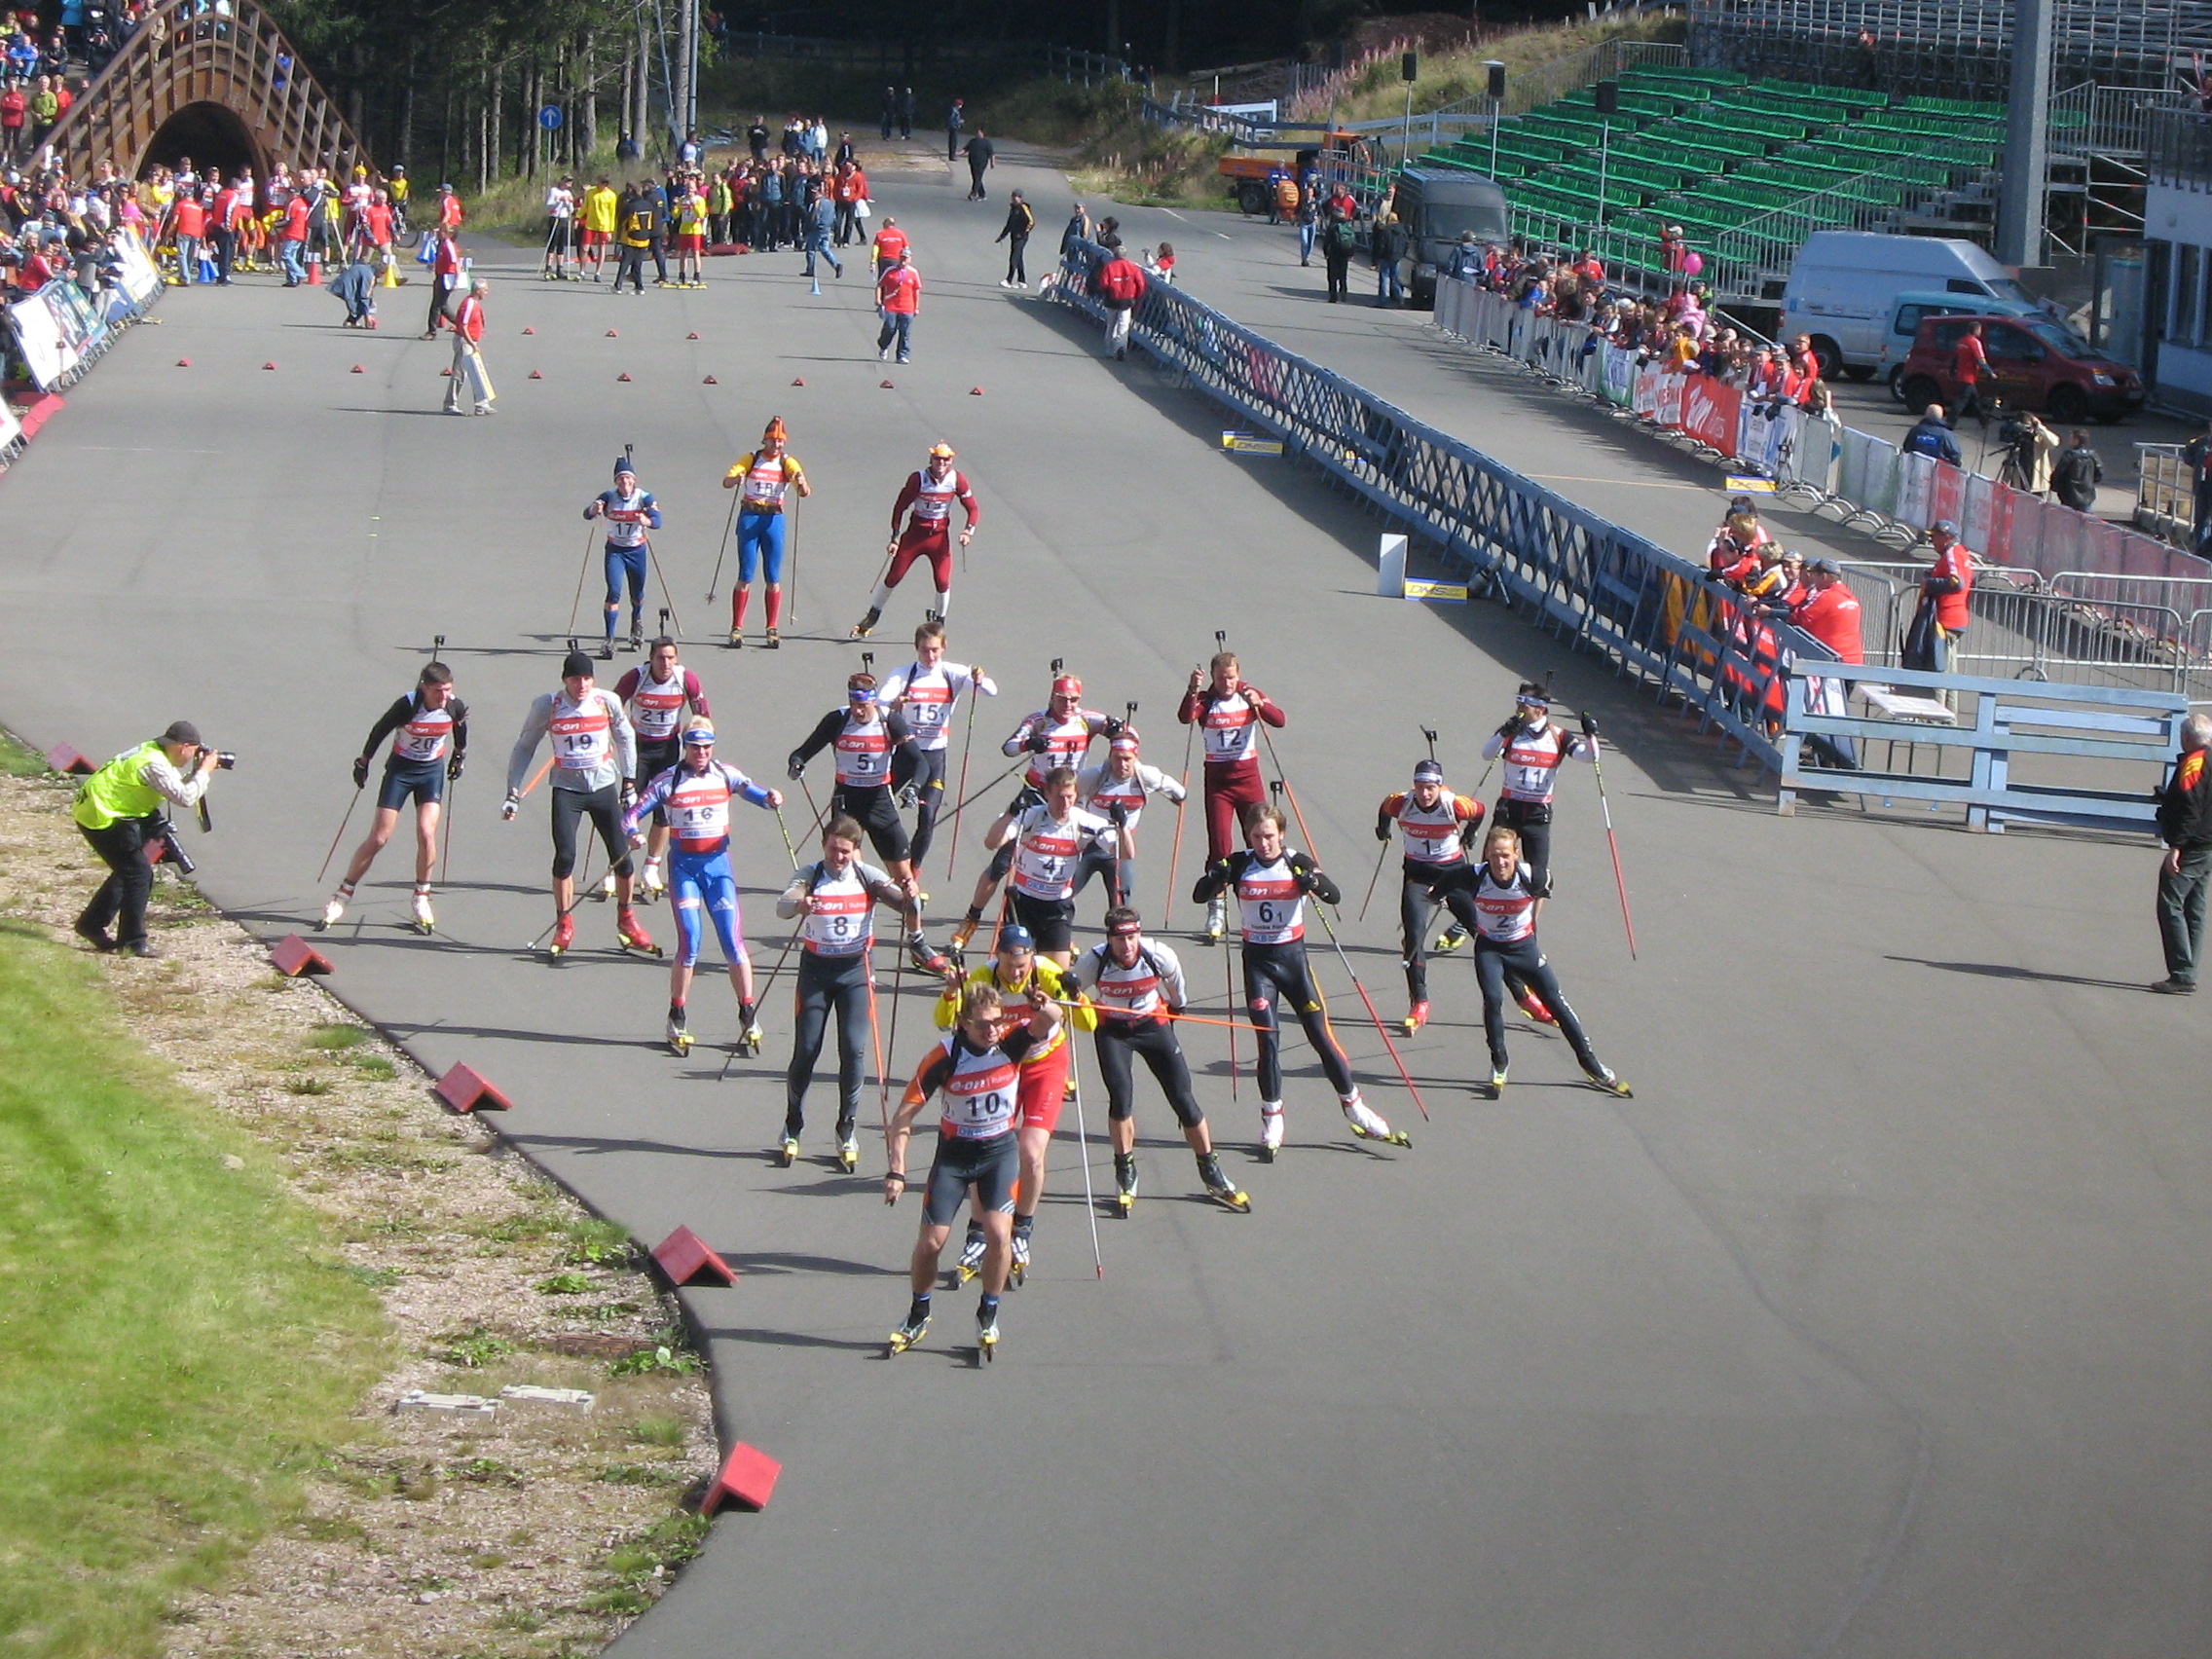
pixel 898 58
pixel 2093 120
pixel 1593 583
pixel 2180 149
pixel 1556 77
pixel 182 54
pixel 2165 496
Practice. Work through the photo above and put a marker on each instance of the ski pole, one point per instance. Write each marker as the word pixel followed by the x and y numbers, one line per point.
pixel 986 789
pixel 582 571
pixel 536 778
pixel 713 582
pixel 1380 858
pixel 819 820
pixel 760 1001
pixel 444 853
pixel 967 742
pixel 1619 880
pixel 1083 1154
pixel 1229 992
pixel 875 1039
pixel 1175 853
pixel 359 790
pixel 1322 911
pixel 897 978
pixel 1304 835
pixel 583 889
pixel 786 830
pixel 1188 1018
pixel 791 588
pixel 660 576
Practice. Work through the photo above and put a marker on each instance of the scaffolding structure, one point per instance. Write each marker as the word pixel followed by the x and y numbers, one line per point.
pixel 1949 49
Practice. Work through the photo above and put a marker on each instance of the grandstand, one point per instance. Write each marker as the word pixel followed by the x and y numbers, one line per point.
pixel 1749 168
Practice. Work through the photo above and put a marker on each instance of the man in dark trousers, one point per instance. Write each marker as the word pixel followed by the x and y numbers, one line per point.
pixel 118 812
pixel 1021 222
pixel 979 151
pixel 906 113
pixel 2077 472
pixel 1339 238
pixel 955 121
pixel 2197 455
pixel 2185 825
pixel 890 111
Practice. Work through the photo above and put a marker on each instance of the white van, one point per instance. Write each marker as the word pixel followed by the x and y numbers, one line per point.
pixel 1844 287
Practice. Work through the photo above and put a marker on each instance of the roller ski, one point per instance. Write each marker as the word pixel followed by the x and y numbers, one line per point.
pixel 335 908
pixel 419 916
pixel 848 1149
pixel 926 958
pixel 1495 1088
pixel 1417 1016
pixel 563 936
pixel 1221 1189
pixel 1270 1130
pixel 775 640
pixel 736 639
pixel 1450 938
pixel 987 1330
pixel 606 650
pixel 1018 1268
pixel 787 1149
pixel 650 885
pixel 631 935
pixel 605 889
pixel 866 625
pixel 637 636
pixel 678 1039
pixel 911 1332
pixel 747 1046
pixel 1606 1080
pixel 1217 920
pixel 1125 1179
pixel 1368 1126
pixel 956 947
pixel 971 1262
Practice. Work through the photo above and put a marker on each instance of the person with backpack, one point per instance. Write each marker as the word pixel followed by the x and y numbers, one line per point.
pixel 1339 240
pixel 2077 472
pixel 1120 284
pixel 634 220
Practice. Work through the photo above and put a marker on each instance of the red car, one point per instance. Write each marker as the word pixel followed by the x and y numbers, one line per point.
pixel 2034 363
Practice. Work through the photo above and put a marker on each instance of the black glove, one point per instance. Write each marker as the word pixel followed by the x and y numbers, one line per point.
pixel 795 765
pixel 629 795
pixel 1381 828
pixel 1509 727
pixel 453 770
pixel 361 773
pixel 1039 743
pixel 1113 728
pixel 1589 726
pixel 1306 880
pixel 1716 576
pixel 1117 813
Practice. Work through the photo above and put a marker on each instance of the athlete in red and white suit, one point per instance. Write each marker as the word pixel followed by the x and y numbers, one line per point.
pixel 926 535
pixel 1228 711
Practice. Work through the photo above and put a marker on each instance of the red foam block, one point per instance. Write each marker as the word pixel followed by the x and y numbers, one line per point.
pixel 685 1258
pixel 692 336
pixel 534 375
pixel 64 758
pixel 801 381
pixel 709 381
pixel 748 1479
pixel 465 1090
pixel 622 377
pixel 886 386
pixel 293 956
pixel 530 331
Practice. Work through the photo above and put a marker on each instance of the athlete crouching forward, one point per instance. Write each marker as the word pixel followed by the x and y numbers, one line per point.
pixel 977 1071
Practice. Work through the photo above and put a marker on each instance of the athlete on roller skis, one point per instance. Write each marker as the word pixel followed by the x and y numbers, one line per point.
pixel 1228 712
pixel 1138 985
pixel 1116 790
pixel 1059 734
pixel 1050 841
pixel 1506 903
pixel 926 535
pixel 1271 883
pixel 1533 749
pixel 595 753
pixel 429 730
pixel 977 1071
pixel 657 696
pixel 630 513
pixel 927 693
pixel 1438 828
pixel 1014 967
pixel 766 476
pixel 834 900
pixel 862 737
pixel 693 800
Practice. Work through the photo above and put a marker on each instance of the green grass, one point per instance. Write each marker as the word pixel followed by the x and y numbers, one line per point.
pixel 178 1341
pixel 19 761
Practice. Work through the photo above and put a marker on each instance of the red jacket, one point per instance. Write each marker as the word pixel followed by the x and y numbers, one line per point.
pixel 191 218
pixel 1831 616
pixel 1967 363
pixel 296 220
pixel 900 289
pixel 468 319
pixel 1953 564
pixel 1120 283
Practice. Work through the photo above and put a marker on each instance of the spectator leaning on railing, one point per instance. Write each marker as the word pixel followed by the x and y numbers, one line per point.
pixel 1930 435
pixel 2077 472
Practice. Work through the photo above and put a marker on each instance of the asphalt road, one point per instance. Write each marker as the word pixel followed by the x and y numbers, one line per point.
pixel 1872 1325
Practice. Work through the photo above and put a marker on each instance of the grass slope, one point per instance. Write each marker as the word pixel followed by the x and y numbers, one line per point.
pixel 177 1338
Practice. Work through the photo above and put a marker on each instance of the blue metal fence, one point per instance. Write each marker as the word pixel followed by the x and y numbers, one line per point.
pixel 1590 582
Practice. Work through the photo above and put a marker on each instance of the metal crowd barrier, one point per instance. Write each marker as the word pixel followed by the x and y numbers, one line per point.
pixel 1988 724
pixel 2166 497
pixel 1593 583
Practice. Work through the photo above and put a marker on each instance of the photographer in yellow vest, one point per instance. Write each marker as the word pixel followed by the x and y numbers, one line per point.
pixel 119 810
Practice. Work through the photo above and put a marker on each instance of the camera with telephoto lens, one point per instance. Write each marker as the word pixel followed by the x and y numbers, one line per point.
pixel 223 757
pixel 172 849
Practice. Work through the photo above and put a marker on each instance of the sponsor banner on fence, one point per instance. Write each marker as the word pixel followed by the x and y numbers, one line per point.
pixel 47 351
pixel 11 429
pixel 139 278
pixel 1710 409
